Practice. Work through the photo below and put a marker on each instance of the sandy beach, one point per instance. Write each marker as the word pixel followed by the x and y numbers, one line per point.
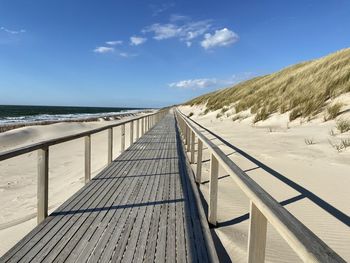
pixel 311 180
pixel 18 176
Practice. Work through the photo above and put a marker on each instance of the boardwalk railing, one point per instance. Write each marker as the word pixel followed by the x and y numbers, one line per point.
pixel 263 207
pixel 143 124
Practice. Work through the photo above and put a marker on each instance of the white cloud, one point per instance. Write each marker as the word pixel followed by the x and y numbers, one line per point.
pixel 221 38
pixel 13 32
pixel 180 27
pixel 135 41
pixel 163 31
pixel 103 50
pixel 211 82
pixel 194 83
pixel 114 42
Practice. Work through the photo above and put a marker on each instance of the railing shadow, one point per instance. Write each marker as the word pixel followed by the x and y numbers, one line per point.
pixel 188 196
pixel 342 217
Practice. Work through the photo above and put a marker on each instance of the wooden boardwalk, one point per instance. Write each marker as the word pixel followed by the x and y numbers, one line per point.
pixel 144 207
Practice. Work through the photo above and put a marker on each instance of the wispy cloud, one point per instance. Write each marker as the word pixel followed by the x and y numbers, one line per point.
pixel 221 38
pixel 158 9
pixel 211 82
pixel 194 83
pixel 103 50
pixel 13 32
pixel 180 27
pixel 127 55
pixel 135 41
pixel 114 42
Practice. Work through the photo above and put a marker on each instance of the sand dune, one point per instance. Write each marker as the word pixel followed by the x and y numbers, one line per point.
pixel 318 171
pixel 18 176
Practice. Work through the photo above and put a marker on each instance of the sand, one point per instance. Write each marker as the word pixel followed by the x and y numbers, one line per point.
pixel 280 145
pixel 18 176
pixel 318 168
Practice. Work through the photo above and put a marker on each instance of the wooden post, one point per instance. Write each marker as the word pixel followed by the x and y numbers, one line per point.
pixel 122 142
pixel 43 184
pixel 142 127
pixel 131 133
pixel 213 190
pixel 199 162
pixel 192 146
pixel 188 134
pixel 138 129
pixel 87 158
pixel 110 146
pixel 257 235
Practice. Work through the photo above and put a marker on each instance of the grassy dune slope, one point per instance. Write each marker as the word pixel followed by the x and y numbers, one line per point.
pixel 304 90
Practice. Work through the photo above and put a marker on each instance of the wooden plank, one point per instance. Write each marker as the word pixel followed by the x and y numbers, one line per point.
pixel 192 146
pixel 144 233
pixel 63 231
pixel 257 235
pixel 137 245
pixel 53 220
pixel 139 209
pixel 122 138
pixel 43 184
pixel 129 237
pixel 131 133
pixel 205 245
pixel 213 190
pixel 112 217
pixel 110 237
pixel 110 146
pixel 87 159
pixel 170 254
pixel 199 162
pixel 137 129
pixel 87 228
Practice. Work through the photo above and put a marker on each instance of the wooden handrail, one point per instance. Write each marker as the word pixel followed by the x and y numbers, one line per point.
pixel 36 146
pixel 264 208
pixel 43 153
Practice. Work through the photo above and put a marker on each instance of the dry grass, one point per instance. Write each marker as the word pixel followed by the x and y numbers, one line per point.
pixel 190 114
pixel 309 141
pixel 333 111
pixel 342 145
pixel 302 89
pixel 343 125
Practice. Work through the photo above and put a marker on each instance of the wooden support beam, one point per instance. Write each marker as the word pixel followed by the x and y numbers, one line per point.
pixel 87 158
pixel 199 162
pixel 122 142
pixel 188 135
pixel 131 133
pixel 257 235
pixel 110 146
pixel 213 190
pixel 43 184
pixel 138 129
pixel 193 146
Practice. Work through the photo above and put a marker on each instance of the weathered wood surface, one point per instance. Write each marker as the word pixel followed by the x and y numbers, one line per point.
pixel 142 208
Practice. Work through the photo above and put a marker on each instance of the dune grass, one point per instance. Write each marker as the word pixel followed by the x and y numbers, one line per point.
pixel 302 89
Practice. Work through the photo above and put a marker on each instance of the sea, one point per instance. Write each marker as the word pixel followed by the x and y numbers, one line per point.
pixel 15 114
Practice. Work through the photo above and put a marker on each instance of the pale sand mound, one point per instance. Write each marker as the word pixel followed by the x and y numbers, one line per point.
pixel 323 172
pixel 18 176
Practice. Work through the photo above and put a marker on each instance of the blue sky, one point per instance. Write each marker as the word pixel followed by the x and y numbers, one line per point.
pixel 155 53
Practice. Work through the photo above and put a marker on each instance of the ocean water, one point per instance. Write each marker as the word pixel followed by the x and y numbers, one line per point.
pixel 11 114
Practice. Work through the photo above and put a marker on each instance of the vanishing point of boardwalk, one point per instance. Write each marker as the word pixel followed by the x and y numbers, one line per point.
pixel 141 208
